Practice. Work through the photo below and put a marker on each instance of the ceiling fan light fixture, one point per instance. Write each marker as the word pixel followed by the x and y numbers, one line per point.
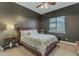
pixel 42 6
pixel 46 5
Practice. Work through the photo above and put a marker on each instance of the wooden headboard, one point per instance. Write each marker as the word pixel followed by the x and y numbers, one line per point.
pixel 25 28
pixel 22 28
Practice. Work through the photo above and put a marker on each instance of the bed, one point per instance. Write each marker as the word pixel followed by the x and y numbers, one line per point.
pixel 40 44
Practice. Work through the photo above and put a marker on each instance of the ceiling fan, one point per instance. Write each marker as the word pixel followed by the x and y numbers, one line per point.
pixel 45 4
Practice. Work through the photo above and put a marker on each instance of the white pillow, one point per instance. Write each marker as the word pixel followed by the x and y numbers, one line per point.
pixel 34 31
pixel 25 32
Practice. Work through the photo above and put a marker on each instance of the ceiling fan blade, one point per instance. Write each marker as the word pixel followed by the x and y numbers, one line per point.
pixel 52 3
pixel 40 5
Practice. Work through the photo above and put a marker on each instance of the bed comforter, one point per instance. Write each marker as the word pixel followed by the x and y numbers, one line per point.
pixel 39 41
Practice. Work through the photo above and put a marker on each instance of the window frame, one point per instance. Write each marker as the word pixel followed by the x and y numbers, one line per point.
pixel 56 25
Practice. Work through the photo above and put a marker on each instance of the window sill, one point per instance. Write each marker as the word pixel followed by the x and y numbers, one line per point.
pixel 56 32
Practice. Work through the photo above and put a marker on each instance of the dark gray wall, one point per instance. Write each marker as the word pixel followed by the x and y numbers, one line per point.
pixel 71 14
pixel 9 12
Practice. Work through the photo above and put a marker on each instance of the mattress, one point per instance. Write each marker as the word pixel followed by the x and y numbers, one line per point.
pixel 39 41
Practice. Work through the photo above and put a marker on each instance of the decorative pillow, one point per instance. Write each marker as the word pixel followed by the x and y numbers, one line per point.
pixel 29 32
pixel 33 31
pixel 25 32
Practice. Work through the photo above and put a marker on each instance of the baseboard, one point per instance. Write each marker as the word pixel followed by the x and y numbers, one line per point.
pixel 68 42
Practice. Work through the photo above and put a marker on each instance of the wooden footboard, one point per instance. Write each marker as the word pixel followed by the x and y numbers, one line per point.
pixel 48 49
pixel 27 46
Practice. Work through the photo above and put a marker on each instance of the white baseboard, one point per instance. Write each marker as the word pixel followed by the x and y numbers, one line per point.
pixel 68 42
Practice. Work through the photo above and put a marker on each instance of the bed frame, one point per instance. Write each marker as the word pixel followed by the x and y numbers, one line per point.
pixel 48 49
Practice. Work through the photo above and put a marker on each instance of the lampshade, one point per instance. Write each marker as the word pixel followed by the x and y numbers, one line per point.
pixel 10 26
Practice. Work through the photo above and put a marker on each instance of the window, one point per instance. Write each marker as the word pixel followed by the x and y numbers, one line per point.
pixel 57 24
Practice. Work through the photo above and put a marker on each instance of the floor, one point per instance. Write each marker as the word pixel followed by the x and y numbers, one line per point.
pixel 62 49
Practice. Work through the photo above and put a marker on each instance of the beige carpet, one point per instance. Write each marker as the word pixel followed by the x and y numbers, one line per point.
pixel 61 50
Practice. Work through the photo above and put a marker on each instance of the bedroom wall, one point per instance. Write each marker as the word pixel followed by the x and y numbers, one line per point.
pixel 12 13
pixel 71 14
pixel 2 27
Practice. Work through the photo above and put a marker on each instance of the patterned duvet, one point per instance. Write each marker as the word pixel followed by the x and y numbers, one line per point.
pixel 39 41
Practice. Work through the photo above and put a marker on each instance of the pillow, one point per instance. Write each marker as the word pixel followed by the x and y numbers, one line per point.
pixel 29 32
pixel 24 32
pixel 34 31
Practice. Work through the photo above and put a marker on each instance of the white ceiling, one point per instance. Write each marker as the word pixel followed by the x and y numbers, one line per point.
pixel 32 6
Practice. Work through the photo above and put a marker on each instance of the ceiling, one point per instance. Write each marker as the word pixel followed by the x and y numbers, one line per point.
pixel 32 6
